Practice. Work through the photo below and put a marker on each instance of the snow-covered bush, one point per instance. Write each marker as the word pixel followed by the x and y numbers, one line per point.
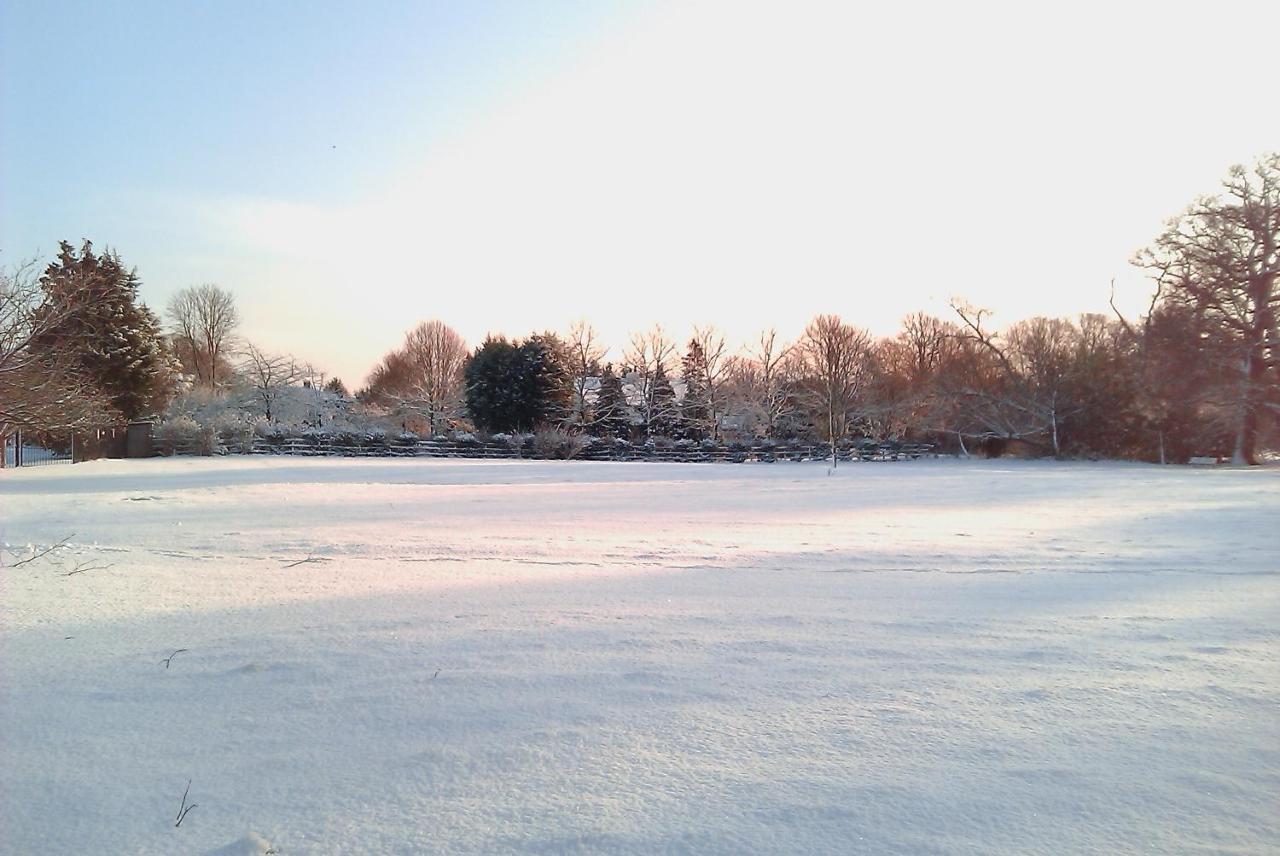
pixel 559 444
pixel 177 435
pixel 207 441
pixel 235 434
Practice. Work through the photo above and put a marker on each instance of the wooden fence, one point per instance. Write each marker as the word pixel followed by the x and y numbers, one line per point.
pixel 598 451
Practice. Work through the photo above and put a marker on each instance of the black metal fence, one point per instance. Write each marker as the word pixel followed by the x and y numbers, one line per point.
pixel 18 453
pixel 43 449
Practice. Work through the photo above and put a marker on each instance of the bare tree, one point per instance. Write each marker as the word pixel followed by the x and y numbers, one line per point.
pixel 837 365
pixel 1022 391
pixel 1221 261
pixel 927 342
pixel 650 359
pixel 584 353
pixel 204 321
pixel 436 357
pixel 1173 381
pixel 705 374
pixel 268 375
pixel 759 383
pixel 424 377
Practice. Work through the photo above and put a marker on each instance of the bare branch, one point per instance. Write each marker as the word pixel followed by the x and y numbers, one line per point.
pixel 45 552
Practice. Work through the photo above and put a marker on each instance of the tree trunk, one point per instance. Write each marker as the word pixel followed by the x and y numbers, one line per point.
pixel 1256 360
pixel 831 432
pixel 1247 432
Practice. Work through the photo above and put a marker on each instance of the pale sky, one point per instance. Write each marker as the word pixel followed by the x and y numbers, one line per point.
pixel 348 169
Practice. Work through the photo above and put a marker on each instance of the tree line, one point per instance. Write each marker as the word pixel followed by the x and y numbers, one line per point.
pixel 1195 374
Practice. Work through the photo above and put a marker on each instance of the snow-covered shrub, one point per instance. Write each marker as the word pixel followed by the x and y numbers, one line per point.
pixel 467 440
pixel 235 434
pixel 558 444
pixel 269 431
pixel 207 442
pixel 177 434
pixel 339 438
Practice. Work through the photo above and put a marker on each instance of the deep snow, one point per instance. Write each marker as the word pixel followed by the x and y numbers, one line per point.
pixel 927 657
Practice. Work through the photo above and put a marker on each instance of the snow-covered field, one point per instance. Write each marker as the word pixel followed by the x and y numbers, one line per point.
pixel 550 657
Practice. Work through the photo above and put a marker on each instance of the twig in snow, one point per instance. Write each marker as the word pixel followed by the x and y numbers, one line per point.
pixel 44 552
pixel 184 808
pixel 307 560
pixel 169 659
pixel 84 567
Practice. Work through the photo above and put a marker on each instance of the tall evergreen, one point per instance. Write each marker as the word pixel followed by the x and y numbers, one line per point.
pixel 113 339
pixel 611 412
pixel 695 407
pixel 666 410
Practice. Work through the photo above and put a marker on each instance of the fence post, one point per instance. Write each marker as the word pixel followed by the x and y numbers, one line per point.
pixel 17 448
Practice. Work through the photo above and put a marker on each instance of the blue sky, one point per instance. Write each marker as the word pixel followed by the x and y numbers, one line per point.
pixel 109 106
pixel 348 169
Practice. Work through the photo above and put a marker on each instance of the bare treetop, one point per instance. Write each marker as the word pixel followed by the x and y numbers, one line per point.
pixel 204 321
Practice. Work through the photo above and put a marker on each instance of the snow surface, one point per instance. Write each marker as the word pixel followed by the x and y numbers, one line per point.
pixel 551 657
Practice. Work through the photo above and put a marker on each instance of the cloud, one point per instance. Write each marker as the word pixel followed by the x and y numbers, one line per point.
pixel 754 164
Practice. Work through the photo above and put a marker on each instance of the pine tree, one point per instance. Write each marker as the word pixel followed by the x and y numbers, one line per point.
pixel 695 408
pixel 666 410
pixel 612 413
pixel 116 341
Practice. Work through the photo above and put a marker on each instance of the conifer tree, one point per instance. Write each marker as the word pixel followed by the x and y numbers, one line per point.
pixel 666 410
pixel 517 386
pixel 551 384
pixel 695 408
pixel 115 340
pixel 611 412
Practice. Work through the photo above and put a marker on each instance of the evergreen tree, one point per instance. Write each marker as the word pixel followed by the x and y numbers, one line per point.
pixel 115 340
pixel 612 413
pixel 695 408
pixel 666 410
pixel 551 383
pixel 512 387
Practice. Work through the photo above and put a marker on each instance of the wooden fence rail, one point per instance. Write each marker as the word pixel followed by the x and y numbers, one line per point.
pixel 602 451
